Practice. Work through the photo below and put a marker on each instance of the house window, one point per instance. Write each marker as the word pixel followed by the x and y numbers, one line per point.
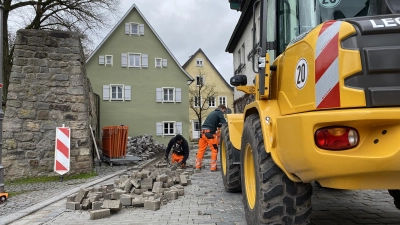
pixel 196 101
pixel 240 56
pixel 134 28
pixel 117 93
pixel 199 62
pixel 158 63
pixel 200 80
pixel 168 94
pixel 243 60
pixel 222 101
pixel 134 59
pixel 109 60
pixel 169 128
pixel 196 125
pixel 211 101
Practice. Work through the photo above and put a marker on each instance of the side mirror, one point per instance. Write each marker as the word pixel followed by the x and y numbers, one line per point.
pixel 238 80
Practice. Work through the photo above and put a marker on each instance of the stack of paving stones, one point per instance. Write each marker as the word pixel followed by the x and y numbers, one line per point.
pixel 142 188
pixel 144 146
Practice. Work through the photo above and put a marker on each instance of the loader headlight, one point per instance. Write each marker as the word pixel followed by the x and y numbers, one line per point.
pixel 336 138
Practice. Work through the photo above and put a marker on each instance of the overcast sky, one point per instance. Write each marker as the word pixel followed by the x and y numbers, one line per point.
pixel 205 24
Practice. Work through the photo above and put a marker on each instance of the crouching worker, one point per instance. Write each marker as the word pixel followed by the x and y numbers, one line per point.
pixel 180 150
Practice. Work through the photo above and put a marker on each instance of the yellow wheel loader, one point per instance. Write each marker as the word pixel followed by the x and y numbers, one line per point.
pixel 326 109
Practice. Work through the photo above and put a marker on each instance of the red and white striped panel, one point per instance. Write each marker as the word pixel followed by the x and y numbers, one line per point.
pixel 62 152
pixel 327 93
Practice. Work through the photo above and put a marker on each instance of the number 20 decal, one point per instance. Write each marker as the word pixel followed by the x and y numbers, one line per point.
pixel 301 73
pixel 329 3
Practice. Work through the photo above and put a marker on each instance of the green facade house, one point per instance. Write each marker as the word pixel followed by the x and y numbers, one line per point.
pixel 140 83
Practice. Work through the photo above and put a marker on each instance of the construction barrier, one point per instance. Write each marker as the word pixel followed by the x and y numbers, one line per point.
pixel 62 150
pixel 114 141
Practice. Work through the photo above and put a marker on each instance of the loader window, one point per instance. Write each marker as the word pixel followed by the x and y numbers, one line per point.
pixel 295 17
pixel 345 9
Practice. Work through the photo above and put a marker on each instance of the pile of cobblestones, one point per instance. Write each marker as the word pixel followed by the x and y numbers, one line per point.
pixel 143 146
pixel 142 188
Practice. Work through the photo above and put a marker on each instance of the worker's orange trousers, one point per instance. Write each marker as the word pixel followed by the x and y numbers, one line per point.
pixel 176 158
pixel 205 141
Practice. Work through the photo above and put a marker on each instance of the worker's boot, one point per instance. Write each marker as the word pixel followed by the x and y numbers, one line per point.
pixel 199 162
pixel 213 166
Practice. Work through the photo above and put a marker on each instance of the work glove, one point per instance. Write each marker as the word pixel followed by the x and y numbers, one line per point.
pixel 182 164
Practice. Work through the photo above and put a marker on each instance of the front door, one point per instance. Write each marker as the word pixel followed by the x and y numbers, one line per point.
pixel 195 129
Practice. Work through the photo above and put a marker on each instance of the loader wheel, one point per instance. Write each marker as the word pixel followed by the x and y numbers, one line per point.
pixel 396 196
pixel 3 199
pixel 269 196
pixel 230 172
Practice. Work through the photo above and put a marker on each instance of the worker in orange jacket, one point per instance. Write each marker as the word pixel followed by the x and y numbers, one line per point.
pixel 209 138
pixel 180 150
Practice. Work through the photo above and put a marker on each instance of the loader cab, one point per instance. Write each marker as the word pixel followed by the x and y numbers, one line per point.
pixel 295 18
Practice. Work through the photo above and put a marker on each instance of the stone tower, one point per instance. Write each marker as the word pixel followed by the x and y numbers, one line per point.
pixel 48 88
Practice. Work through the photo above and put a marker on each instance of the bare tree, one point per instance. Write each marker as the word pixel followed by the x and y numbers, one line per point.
pixel 201 95
pixel 82 16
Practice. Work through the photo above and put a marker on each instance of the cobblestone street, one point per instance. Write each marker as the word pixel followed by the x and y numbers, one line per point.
pixel 206 202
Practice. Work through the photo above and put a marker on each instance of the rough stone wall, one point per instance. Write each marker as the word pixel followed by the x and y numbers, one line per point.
pixel 48 88
pixel 240 103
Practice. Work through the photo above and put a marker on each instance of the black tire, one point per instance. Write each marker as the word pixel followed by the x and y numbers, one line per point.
pixel 275 199
pixel 230 172
pixel 3 199
pixel 396 196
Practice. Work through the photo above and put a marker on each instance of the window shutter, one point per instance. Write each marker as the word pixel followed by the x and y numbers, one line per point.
pixel 124 60
pixel 159 129
pixel 178 95
pixel 101 59
pixel 127 94
pixel 106 92
pixel 164 63
pixel 178 128
pixel 145 60
pixel 141 29
pixel 127 28
pixel 159 97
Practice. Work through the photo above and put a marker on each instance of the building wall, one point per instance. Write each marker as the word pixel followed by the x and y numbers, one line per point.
pixel 211 77
pixel 247 39
pixel 142 112
pixel 48 89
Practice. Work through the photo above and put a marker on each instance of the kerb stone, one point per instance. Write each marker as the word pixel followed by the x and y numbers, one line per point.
pixel 113 205
pixel 97 205
pixel 182 180
pixel 73 205
pixel 126 200
pixel 81 195
pixel 152 204
pixel 99 214
pixel 171 195
pixel 157 187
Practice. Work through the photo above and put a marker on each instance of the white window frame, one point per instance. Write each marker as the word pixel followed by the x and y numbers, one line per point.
pixel 173 126
pixel 225 103
pixel 214 105
pixel 173 94
pixel 111 92
pixel 240 56
pixel 129 60
pixel 131 30
pixel 198 78
pixel 199 62
pixel 105 60
pixel 194 101
pixel 159 65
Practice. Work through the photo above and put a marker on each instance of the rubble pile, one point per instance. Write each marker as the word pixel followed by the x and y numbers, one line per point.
pixel 143 146
pixel 142 188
